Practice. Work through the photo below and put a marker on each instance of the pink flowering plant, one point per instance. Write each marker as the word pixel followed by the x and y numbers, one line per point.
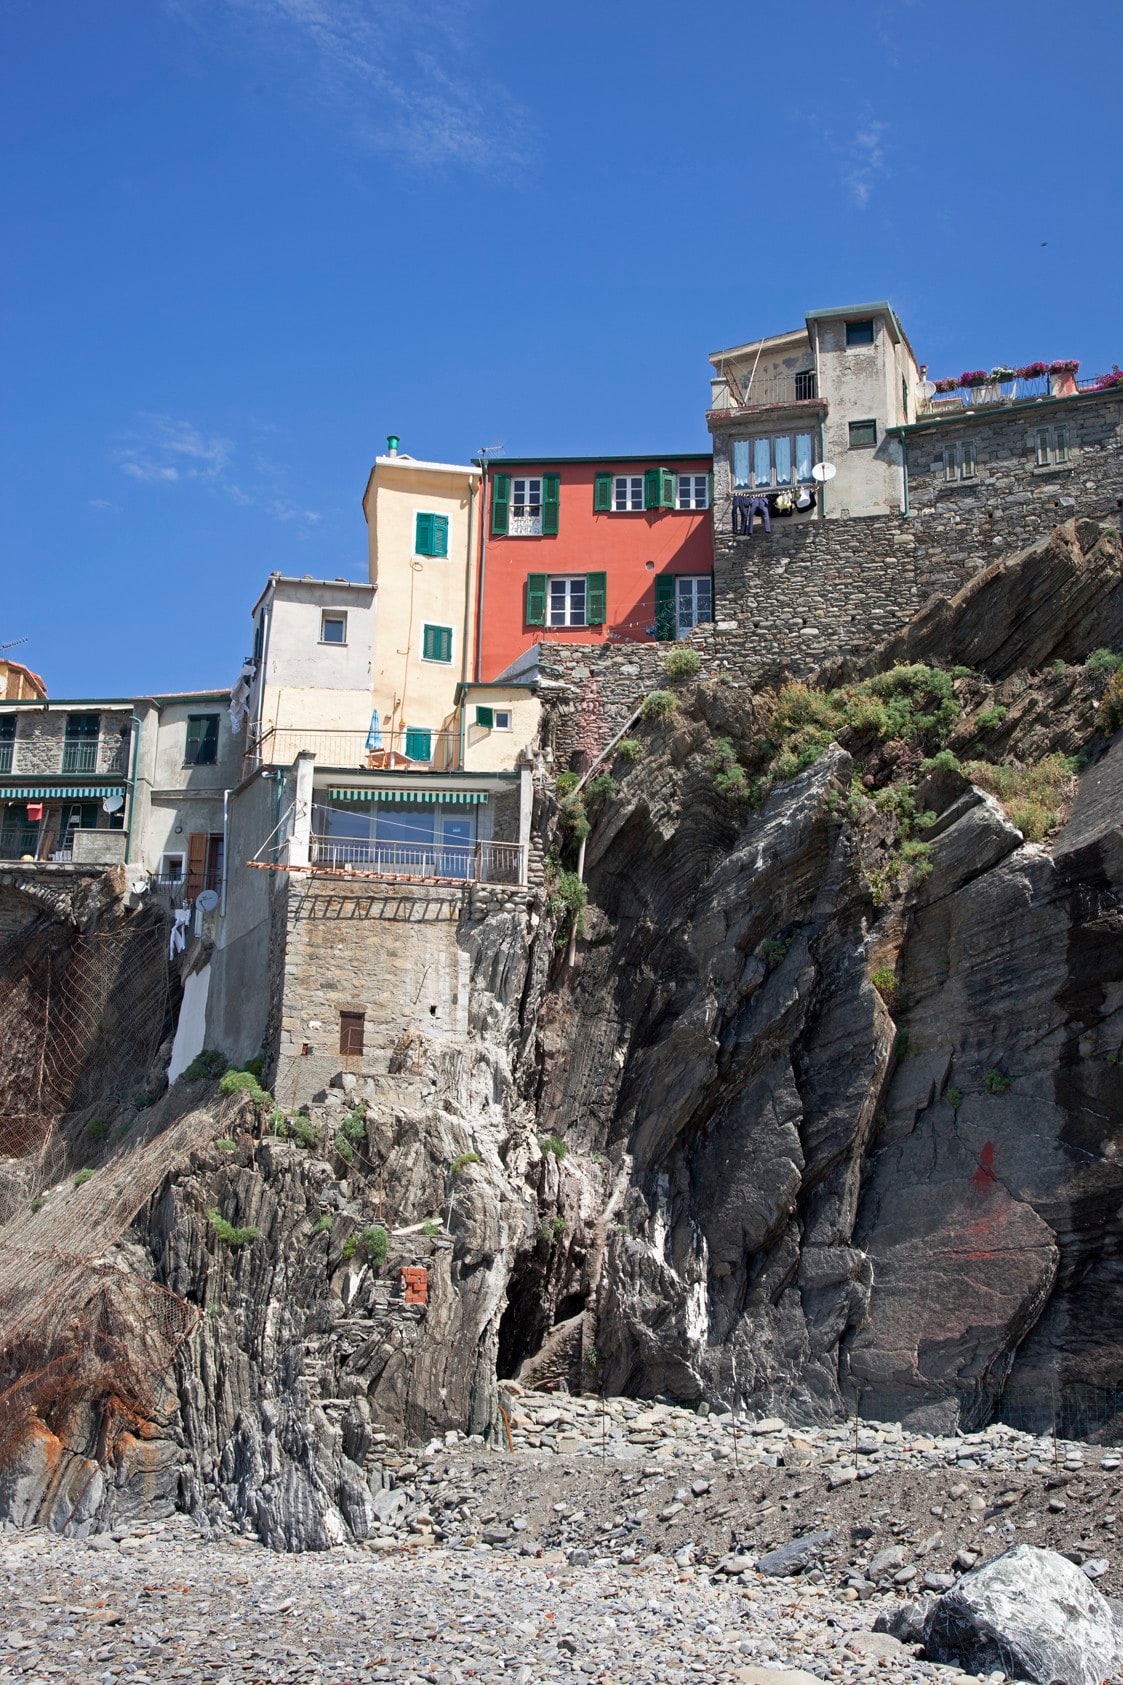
pixel 1107 381
pixel 1064 365
pixel 974 377
pixel 945 385
pixel 1033 371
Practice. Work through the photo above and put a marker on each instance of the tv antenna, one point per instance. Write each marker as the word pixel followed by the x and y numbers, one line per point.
pixel 12 643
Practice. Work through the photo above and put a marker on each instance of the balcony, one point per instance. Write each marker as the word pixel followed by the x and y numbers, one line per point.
pixel 406 751
pixel 480 862
pixel 6 751
pixel 769 391
pixel 80 755
pixel 1001 394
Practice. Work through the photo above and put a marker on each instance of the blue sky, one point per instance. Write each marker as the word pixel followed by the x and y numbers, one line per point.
pixel 246 239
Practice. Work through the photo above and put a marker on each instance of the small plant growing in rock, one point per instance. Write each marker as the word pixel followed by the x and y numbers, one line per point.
pixel 991 718
pixel 566 783
pixel 601 788
pixel 1109 714
pixel 997 1082
pixel 1104 662
pixel 773 949
pixel 344 1148
pixel 227 1233
pixel 955 1098
pixel 901 1046
pixel 82 1178
pixel 1059 668
pixel 430 1229
pixel 322 1224
pixel 462 1161
pixel 371 1244
pixel 558 1225
pixel 942 761
pixel 629 750
pixel 574 817
pixel 206 1066
pixel 305 1133
pixel 554 1144
pixel 225 1144
pixel 241 1082
pixel 729 776
pixel 38 1203
pixel 566 902
pixel 659 706
pixel 99 1128
pixel 885 982
pixel 682 664
pixel 256 1066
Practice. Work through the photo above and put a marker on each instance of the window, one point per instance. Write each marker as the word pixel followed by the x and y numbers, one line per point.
pixel 431 535
pixel 1052 446
pixel 567 600
pixel 694 601
pixel 258 639
pixel 526 507
pixel 171 868
pixel 333 627
pixel 419 743
pixel 436 643
pixel 202 740
pixel 7 742
pixel 579 599
pixel 693 491
pixel 502 719
pixel 493 719
pixel 79 745
pixel 351 1033
pixel 806 385
pixel 960 460
pixel 769 461
pixel 627 492
pixel 862 434
pixel 859 333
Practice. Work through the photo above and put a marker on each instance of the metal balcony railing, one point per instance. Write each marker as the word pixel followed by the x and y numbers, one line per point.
pixel 481 862
pixel 80 756
pixel 6 752
pixel 413 750
pixel 765 391
pixel 15 844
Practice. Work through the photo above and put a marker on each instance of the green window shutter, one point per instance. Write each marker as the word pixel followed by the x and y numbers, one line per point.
pixel 439 535
pixel 500 504
pixel 436 643
pixel 651 488
pixel 665 607
pixel 550 505
pixel 666 488
pixel 536 599
pixel 710 489
pixel 419 744
pixel 486 718
pixel 602 494
pixel 596 599
pixel 423 536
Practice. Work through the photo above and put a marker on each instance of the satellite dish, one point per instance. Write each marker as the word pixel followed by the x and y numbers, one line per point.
pixel 928 389
pixel 824 471
pixel 207 901
pixel 113 804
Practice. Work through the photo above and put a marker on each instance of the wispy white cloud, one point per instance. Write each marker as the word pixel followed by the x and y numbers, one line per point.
pixel 164 450
pixel 103 505
pixel 407 78
pixel 863 160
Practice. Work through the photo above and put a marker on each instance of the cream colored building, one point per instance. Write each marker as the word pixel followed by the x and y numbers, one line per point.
pixel 309 682
pixel 422 529
pixel 497 725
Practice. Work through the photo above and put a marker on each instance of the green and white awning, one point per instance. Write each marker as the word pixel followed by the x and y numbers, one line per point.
pixel 59 792
pixel 441 798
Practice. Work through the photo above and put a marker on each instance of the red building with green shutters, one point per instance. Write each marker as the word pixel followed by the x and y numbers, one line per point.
pixel 592 550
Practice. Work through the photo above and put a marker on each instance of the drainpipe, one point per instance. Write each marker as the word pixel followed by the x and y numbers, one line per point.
pixel 904 471
pixel 483 571
pixel 134 758
pixel 225 850
pixel 822 458
pixel 465 664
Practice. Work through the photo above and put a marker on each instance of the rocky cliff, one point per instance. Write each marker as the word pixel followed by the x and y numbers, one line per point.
pixel 827 1104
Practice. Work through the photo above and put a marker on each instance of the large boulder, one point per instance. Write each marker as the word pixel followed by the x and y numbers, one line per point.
pixel 1030 1614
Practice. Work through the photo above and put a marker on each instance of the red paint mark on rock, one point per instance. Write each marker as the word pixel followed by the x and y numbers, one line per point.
pixel 984 1178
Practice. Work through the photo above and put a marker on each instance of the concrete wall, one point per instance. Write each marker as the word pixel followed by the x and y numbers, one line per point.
pixel 303 681
pixel 415 590
pixel 491 750
pixel 171 794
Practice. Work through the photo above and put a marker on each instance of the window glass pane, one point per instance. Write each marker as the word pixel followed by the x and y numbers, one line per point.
pixel 577 602
pixel 969 462
pixel 1061 451
pixel 863 433
pixel 950 464
pixel 704 597
pixel 859 333
pixel 1042 447
pixel 782 451
pixel 804 457
pixel 740 458
pixel 762 462
pixel 557 602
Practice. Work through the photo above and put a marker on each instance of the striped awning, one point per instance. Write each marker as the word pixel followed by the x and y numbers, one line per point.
pixel 441 798
pixel 59 792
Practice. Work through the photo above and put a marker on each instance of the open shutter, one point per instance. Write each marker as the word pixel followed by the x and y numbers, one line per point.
pixel 651 488
pixel 536 599
pixel 196 863
pixel 439 535
pixel 500 504
pixel 602 494
pixel 710 489
pixel 665 607
pixel 423 536
pixel 666 488
pixel 549 505
pixel 596 599
pixel 419 743
pixel 485 717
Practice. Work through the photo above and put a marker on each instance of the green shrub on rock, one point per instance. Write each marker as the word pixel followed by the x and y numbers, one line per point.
pixel 682 664
pixel 659 706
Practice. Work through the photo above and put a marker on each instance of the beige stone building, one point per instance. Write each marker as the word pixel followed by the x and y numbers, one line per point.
pixel 827 392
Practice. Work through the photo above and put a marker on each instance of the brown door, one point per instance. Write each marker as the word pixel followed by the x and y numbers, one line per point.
pixel 351 1032
pixel 196 863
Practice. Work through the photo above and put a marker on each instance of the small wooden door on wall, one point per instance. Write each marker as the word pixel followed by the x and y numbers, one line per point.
pixel 196 863
pixel 351 1032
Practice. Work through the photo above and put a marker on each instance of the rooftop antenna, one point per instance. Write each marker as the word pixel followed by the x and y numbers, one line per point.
pixel 12 643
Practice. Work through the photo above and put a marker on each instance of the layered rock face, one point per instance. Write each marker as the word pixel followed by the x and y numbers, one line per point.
pixel 787 1132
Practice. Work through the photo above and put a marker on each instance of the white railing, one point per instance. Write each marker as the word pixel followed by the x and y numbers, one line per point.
pixel 481 862
pixel 525 525
pixel 417 750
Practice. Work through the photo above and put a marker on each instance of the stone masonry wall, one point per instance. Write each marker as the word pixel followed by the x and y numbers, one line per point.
pixel 814 589
pixel 39 743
